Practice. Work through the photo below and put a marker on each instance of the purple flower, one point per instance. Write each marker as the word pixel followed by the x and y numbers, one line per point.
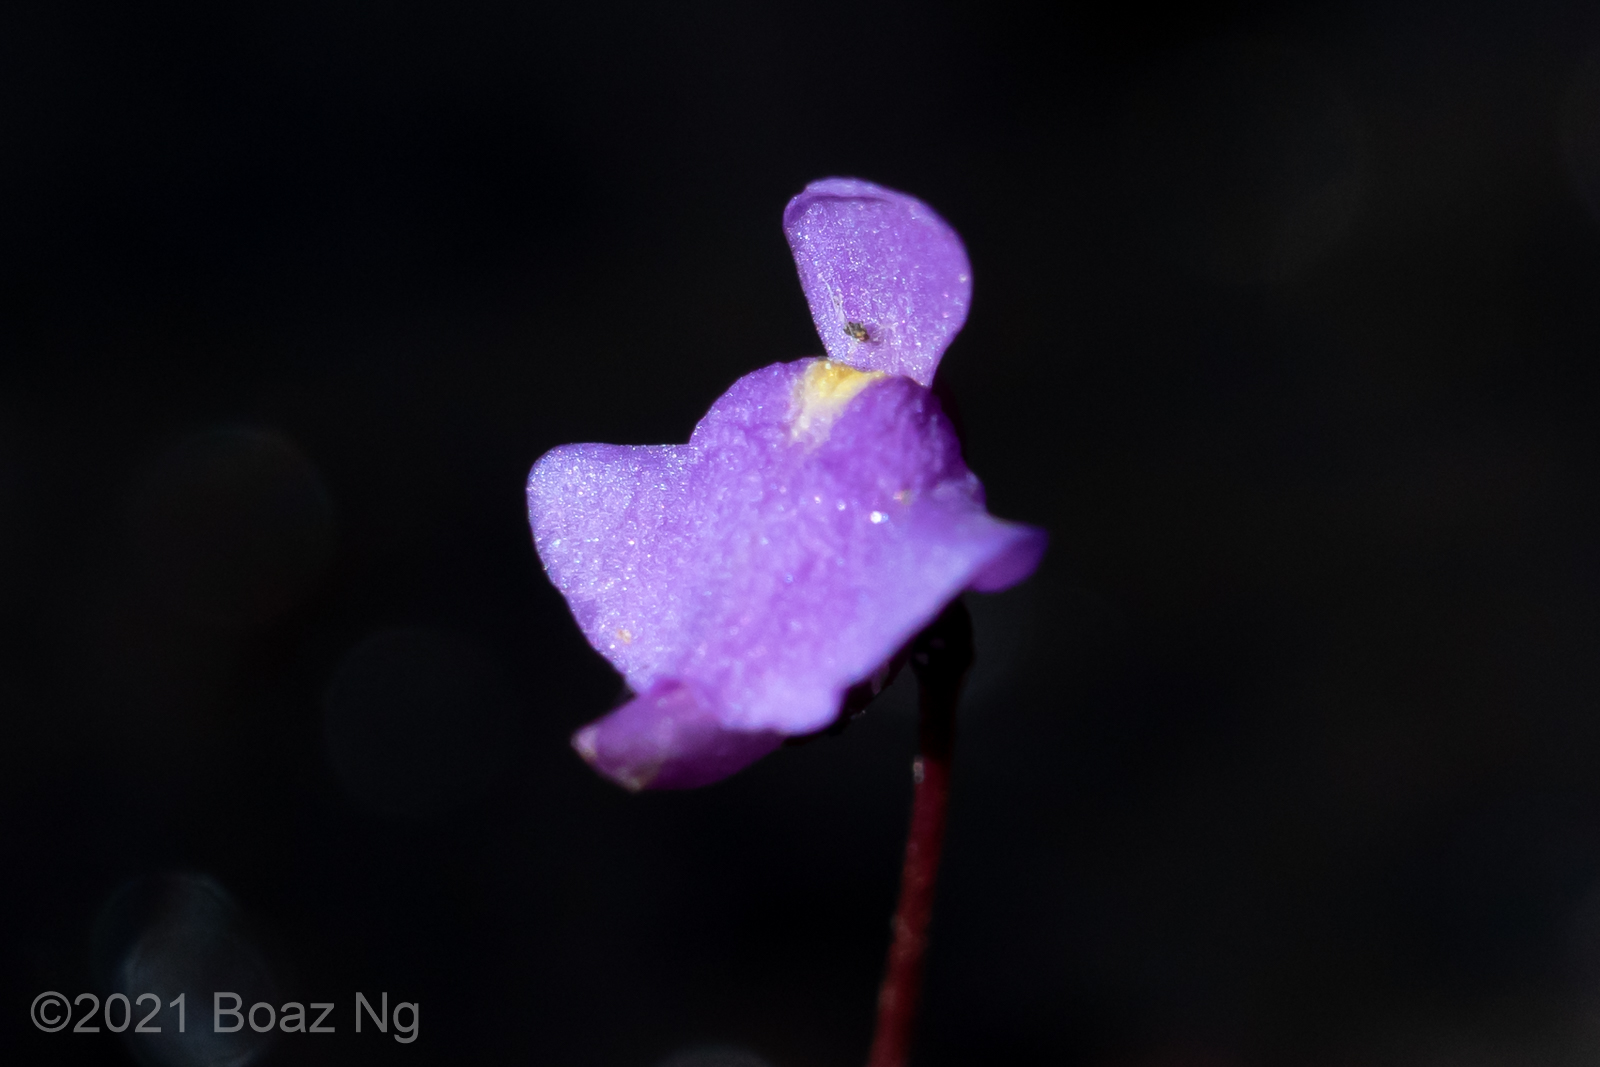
pixel 818 518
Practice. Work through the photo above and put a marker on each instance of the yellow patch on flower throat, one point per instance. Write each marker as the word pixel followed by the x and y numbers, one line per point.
pixel 822 392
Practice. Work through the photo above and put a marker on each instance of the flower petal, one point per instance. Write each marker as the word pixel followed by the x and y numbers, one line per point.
pixel 887 279
pixel 608 521
pixel 1019 559
pixel 668 738
pixel 817 519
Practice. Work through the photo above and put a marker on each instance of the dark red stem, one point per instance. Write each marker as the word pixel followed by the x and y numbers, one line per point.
pixel 940 657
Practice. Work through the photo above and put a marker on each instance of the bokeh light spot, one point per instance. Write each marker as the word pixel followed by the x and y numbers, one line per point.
pixel 1580 133
pixel 418 721
pixel 714 1056
pixel 1246 161
pixel 172 934
pixel 231 525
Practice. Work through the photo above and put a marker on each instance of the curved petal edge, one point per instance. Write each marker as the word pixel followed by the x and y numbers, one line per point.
pixel 669 737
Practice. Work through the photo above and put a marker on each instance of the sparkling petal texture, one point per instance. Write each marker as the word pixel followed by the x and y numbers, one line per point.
pixel 887 279
pixel 816 520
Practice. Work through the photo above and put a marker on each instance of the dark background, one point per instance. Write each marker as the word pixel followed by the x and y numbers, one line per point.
pixel 1286 327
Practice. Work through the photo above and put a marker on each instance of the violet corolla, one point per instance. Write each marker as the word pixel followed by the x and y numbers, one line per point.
pixel 818 518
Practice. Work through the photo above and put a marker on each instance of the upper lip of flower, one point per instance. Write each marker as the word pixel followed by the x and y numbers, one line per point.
pixel 817 518
pixel 887 279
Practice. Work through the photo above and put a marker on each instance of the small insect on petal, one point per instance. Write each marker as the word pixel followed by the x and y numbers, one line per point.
pixel 887 279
